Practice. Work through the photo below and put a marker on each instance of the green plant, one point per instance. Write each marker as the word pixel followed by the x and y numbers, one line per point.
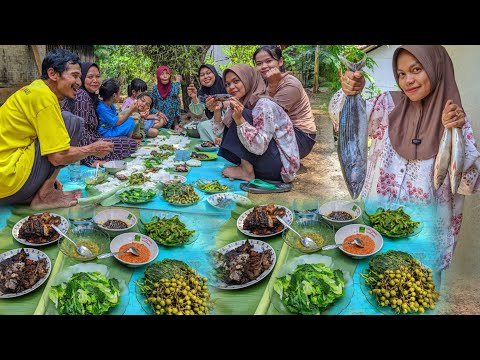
pixel 301 59
pixel 238 54
pixel 125 62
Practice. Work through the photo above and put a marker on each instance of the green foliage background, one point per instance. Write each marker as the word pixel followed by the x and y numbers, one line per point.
pixel 125 62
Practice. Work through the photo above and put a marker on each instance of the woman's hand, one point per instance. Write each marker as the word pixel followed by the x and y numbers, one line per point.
pixel 161 118
pixel 352 82
pixel 453 115
pixel 178 78
pixel 237 108
pixel 274 77
pixel 145 113
pixel 212 104
pixel 192 92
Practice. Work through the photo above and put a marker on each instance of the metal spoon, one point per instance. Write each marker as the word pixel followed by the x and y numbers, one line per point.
pixel 82 250
pixel 96 170
pixel 306 241
pixel 130 250
pixel 357 242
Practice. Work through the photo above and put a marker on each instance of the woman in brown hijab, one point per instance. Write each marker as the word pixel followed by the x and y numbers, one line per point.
pixel 258 136
pixel 406 128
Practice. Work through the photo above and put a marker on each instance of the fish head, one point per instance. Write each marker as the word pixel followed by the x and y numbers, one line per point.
pixel 354 189
pixel 355 183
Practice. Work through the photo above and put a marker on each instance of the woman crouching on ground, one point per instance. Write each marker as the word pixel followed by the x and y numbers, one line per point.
pixel 258 135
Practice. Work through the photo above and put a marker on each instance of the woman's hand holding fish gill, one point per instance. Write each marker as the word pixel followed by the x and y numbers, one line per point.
pixel 453 115
pixel 352 82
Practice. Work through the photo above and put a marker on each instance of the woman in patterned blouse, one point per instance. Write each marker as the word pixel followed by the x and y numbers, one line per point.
pixel 166 97
pixel 84 106
pixel 258 135
pixel 406 127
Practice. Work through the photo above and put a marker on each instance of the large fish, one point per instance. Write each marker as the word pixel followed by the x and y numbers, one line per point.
pixel 457 158
pixel 353 137
pixel 442 161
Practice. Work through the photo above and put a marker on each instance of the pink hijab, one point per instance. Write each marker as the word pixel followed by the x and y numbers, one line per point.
pixel 423 121
pixel 163 90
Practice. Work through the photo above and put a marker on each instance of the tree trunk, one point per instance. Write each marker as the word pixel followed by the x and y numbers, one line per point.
pixel 316 69
pixel 187 78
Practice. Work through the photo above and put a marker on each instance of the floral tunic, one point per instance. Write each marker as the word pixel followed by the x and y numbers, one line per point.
pixel 169 106
pixel 83 106
pixel 270 123
pixel 395 179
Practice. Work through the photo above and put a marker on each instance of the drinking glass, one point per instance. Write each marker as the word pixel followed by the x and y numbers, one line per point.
pixel 75 173
pixel 75 178
pixel 81 215
pixel 305 208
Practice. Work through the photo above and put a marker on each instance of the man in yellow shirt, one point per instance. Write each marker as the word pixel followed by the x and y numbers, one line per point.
pixel 36 138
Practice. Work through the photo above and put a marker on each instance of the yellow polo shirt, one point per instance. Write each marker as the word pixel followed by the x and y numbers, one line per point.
pixel 30 113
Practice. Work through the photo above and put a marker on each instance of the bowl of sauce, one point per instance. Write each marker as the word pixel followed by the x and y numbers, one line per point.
pixel 115 221
pixel 146 247
pixel 371 239
pixel 340 212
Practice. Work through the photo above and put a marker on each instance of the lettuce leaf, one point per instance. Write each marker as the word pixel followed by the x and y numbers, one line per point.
pixel 310 289
pixel 86 293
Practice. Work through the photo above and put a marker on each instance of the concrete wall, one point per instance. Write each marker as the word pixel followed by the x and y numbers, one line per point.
pixel 17 68
pixel 466 262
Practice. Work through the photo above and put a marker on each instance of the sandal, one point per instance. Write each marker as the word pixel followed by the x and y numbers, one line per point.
pixel 257 186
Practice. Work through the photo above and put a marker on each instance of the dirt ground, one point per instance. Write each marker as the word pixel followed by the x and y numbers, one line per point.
pixel 320 176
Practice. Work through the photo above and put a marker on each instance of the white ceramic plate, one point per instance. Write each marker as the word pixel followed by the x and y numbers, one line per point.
pixel 288 218
pixel 223 200
pixel 259 246
pixel 33 254
pixel 208 149
pixel 16 228
pixel 173 178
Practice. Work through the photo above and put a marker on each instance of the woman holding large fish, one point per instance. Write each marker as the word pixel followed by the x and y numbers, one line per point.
pixel 423 150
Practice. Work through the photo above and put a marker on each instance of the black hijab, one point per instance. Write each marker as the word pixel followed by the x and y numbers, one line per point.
pixel 216 88
pixel 85 66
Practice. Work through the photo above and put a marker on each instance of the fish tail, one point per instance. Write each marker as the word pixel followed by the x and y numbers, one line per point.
pixel 353 66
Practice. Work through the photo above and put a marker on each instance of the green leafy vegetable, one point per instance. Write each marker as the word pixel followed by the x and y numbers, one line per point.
pixel 310 289
pixel 168 232
pixel 99 198
pixel 137 195
pixel 181 194
pixel 166 269
pixel 393 223
pixel 86 293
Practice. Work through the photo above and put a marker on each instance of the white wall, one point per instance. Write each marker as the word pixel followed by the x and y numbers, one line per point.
pixel 383 73
pixel 466 262
pixel 218 56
